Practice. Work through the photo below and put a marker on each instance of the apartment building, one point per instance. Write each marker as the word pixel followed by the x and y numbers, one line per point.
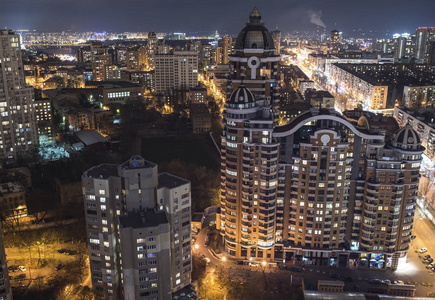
pixel 381 86
pixel 176 70
pixel 423 122
pixel 249 164
pixel 18 131
pixel 101 61
pixel 138 225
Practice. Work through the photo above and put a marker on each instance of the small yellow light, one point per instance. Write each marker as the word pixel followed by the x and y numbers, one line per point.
pixel 264 263
pixel 224 258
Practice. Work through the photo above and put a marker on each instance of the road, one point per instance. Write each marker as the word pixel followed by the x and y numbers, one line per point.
pixel 413 272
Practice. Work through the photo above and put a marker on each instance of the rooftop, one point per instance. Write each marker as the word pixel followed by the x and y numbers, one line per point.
pixel 144 218
pixel 90 137
pixel 103 171
pixel 11 188
pixel 171 181
pixel 388 74
pixel 137 162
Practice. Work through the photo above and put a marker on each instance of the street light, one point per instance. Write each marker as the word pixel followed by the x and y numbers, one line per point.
pixel 196 246
pixel 264 263
pixel 224 258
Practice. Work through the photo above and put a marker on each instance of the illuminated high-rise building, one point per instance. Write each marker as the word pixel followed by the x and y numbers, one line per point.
pixel 423 36
pixel 138 226
pixel 218 56
pixel 176 70
pixel 226 43
pixel 18 131
pixel 101 61
pixel 249 170
pixel 334 42
pixel 5 288
pixel 152 45
pixel 345 188
pixel 276 34
pixel 137 59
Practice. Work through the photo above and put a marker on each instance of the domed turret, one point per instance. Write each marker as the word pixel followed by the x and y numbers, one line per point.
pixel 241 98
pixel 407 138
pixel 152 34
pixel 255 35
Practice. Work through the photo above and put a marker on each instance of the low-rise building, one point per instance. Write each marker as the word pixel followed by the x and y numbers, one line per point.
pixel 330 285
pixel 198 95
pixel 200 117
pixel 13 200
pixel 403 290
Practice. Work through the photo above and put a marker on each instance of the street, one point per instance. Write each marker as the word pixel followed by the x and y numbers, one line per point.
pixel 414 272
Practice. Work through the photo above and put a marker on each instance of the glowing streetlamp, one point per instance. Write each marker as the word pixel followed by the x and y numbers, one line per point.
pixel 196 246
pixel 264 263
pixel 224 258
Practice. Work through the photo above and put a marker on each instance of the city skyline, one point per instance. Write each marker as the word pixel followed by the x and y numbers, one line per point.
pixel 163 16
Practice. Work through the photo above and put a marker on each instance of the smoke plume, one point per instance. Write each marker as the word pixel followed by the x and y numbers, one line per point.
pixel 316 18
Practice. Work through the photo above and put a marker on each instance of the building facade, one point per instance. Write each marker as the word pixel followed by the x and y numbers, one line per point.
pixel 138 225
pixel 424 124
pixel 249 163
pixel 347 187
pixel 254 61
pixel 177 70
pixel 101 61
pixel 18 131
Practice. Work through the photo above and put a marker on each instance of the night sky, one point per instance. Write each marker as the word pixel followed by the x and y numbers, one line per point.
pixel 226 16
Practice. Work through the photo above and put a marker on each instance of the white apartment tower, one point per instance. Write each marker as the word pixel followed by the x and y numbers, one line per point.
pixel 18 131
pixel 138 225
pixel 176 70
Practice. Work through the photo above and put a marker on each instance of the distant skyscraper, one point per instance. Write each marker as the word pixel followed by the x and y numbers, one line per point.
pixel 218 56
pixel 101 61
pixel 423 37
pixel 176 70
pixel 334 42
pixel 152 45
pixel 276 34
pixel 137 59
pixel 431 56
pixel 138 224
pixel 226 43
pixel 5 289
pixel 19 131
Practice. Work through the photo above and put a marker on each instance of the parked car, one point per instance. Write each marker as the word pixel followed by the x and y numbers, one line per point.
pixel 386 281
pixel 62 250
pixel 375 281
pixel 422 250
pixel 13 268
pixel 207 260
pixel 240 262
pixel 429 260
pixel 426 256
pixel 71 252
pixel 207 241
pixel 398 282
pixel 21 276
pixel 22 268
pixel 253 264
pixel 59 266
